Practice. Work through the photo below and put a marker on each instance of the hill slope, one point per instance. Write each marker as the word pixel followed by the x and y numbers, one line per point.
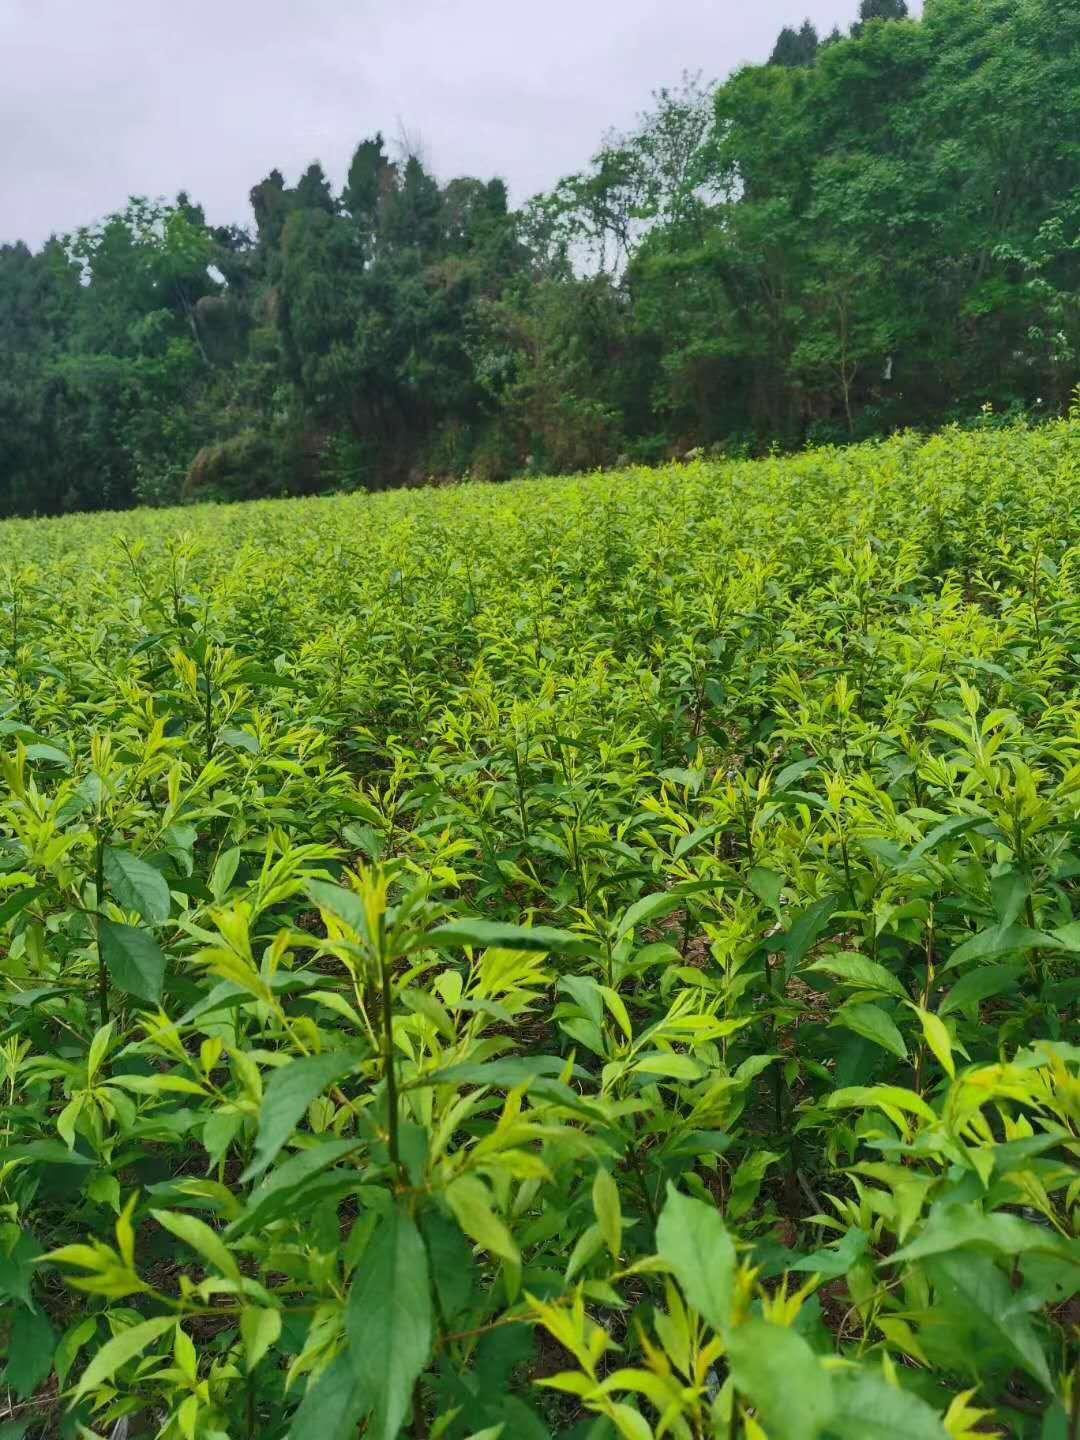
pixel 423 910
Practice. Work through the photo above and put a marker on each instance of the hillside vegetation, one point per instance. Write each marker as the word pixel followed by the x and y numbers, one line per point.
pixel 586 958
pixel 872 231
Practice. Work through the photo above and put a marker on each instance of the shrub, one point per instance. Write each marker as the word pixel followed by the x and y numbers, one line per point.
pixel 575 958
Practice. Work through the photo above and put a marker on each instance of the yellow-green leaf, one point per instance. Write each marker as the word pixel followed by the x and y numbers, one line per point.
pixel 119 1350
pixel 605 1199
pixel 259 1329
pixel 468 1199
pixel 936 1035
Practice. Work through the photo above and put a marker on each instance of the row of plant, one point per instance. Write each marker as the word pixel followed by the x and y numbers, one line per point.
pixel 584 959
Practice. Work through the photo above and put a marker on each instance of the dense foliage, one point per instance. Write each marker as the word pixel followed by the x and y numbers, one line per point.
pixel 587 958
pixel 872 232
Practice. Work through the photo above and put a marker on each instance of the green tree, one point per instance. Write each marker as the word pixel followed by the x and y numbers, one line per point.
pixel 882 10
pixel 313 190
pixel 371 179
pixel 795 47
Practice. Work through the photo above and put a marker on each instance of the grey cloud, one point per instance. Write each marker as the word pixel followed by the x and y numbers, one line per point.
pixel 100 99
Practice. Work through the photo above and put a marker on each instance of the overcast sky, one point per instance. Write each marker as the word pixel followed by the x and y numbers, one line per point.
pixel 100 99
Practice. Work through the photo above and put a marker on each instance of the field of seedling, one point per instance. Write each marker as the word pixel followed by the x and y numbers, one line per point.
pixel 583 958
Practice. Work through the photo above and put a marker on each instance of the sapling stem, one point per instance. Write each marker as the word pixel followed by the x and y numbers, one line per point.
pixel 208 718
pixel 388 1065
pixel 99 885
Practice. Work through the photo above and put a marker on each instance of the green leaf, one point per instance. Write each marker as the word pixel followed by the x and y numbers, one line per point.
pixel 807 928
pixel 148 642
pixel 895 1097
pixel 179 842
pixel 605 1198
pixel 782 1378
pixel 1002 940
pixel 259 1329
pixel 268 677
pixel 886 1096
pixel 973 1285
pixel 746 1182
pixel 838 1259
pixel 872 1023
pixel 952 1227
pixel 885 851
pixel 239 740
pixel 224 872
pixel 30 1353
pixel 47 1152
pixel 697 837
pixel 135 961
pixel 470 1201
pixel 18 902
pixel 955 825
pixel 1008 891
pixel 616 1006
pixel 588 995
pixel 867 1407
pixel 589 1243
pixel 692 1238
pixel 202 1239
pixel 71 1342
pixel 453 1267
pixel 859 970
pixel 980 985
pixel 767 885
pixel 289 1092
pixel 422 1002
pixel 936 1035
pixel 345 904
pixel 509 1073
pixel 388 1321
pixel 135 885
pixel 491 934
pixel 17 1267
pixel 301 1174
pixel 99 1048
pixel 669 1064
pixel 649 907
pixel 48 755
pixel 630 1423
pixel 119 1350
pixel 332 1405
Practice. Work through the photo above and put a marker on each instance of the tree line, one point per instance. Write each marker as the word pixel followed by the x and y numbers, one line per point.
pixel 870 231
